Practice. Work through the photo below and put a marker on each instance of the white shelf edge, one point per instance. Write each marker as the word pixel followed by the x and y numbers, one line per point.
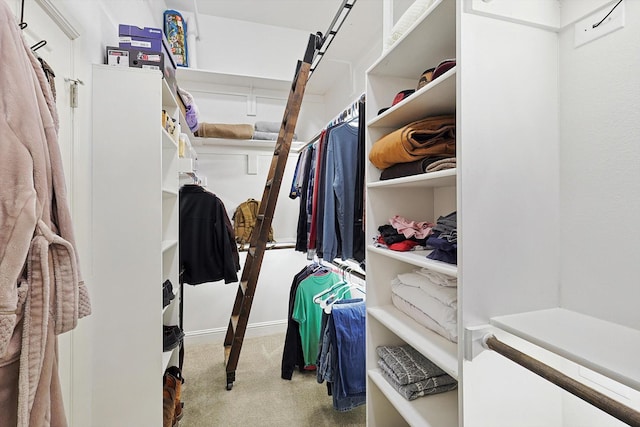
pixel 168 97
pixel 167 141
pixel 169 192
pixel 166 358
pixel 436 410
pixel 439 350
pixel 419 259
pixel 205 144
pixel 431 93
pixel 604 347
pixel 443 178
pixel 195 75
pixel 168 244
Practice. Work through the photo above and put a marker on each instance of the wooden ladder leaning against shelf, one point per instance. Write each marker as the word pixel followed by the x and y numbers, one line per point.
pixel 249 280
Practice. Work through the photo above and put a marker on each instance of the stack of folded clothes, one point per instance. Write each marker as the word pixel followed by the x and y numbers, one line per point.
pixel 429 298
pixel 268 131
pixel 420 143
pixel 444 240
pixel 412 374
pixel 402 234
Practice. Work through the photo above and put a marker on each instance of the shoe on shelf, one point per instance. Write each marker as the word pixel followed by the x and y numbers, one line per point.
pixel 176 373
pixel 172 337
pixel 167 293
pixel 168 401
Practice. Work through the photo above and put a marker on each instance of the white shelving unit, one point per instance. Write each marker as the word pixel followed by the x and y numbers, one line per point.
pixel 422 197
pixel 135 241
pixel 555 330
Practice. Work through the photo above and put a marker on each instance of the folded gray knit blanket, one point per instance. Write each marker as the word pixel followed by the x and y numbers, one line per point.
pixel 412 391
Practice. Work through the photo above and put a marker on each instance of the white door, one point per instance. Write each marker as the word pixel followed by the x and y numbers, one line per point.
pixel 58 53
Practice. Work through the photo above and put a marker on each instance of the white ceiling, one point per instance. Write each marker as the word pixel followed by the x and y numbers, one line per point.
pixel 306 15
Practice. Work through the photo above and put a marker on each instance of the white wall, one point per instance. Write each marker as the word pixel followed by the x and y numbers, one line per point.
pixel 600 185
pixel 600 173
pixel 246 48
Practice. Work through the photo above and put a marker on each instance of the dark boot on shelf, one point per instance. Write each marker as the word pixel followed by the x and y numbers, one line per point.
pixel 176 373
pixel 168 401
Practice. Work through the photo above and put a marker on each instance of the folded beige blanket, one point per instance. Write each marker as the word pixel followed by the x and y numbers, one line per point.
pixel 448 163
pixel 220 130
pixel 433 136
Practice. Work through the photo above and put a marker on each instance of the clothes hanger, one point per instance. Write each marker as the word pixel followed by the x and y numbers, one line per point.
pixel 38 45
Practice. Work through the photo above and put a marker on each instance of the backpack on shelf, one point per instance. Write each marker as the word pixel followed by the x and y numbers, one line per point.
pixel 244 220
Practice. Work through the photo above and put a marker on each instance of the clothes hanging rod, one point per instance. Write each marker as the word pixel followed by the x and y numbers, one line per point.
pixel 316 137
pixel 584 392
pixel 326 39
pixel 344 268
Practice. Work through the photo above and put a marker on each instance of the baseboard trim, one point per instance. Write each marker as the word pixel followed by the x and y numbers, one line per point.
pixel 216 335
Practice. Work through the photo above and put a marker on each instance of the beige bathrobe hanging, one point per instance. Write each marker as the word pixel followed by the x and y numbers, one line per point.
pixel 41 291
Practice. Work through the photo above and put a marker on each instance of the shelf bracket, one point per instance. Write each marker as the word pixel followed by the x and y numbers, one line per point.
pixel 474 340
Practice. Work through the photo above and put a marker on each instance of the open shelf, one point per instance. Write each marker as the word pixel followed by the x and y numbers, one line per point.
pixel 167 140
pixel 438 410
pixel 258 144
pixel 443 178
pixel 418 258
pixel 193 75
pixel 604 347
pixel 419 42
pixel 439 350
pixel 436 98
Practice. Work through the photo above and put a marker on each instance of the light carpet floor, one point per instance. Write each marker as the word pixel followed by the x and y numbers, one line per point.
pixel 259 396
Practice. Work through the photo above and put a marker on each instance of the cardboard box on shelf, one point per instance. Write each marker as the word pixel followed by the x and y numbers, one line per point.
pixel 145 38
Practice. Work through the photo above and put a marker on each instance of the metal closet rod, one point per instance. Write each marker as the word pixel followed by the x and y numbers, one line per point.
pixel 586 393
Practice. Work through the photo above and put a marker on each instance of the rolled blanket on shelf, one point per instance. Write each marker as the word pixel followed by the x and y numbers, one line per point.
pixel 433 136
pixel 219 130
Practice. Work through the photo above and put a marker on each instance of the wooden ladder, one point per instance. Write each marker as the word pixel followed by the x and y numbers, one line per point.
pixel 249 280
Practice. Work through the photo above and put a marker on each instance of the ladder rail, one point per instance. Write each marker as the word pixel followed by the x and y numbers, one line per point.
pixel 239 318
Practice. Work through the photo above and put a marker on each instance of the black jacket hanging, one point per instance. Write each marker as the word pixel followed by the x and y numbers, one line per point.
pixel 208 252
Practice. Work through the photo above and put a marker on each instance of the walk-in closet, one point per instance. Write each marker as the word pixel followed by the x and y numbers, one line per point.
pixel 296 213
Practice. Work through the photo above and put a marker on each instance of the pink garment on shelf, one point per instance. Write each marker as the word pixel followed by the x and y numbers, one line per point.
pixel 419 230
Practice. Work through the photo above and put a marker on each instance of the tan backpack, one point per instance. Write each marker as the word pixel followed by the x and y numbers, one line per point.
pixel 244 220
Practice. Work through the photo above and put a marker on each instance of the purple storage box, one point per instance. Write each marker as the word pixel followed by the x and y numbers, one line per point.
pixel 145 38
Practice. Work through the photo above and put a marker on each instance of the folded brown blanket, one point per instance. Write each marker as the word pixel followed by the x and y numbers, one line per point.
pixel 219 130
pixel 433 136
